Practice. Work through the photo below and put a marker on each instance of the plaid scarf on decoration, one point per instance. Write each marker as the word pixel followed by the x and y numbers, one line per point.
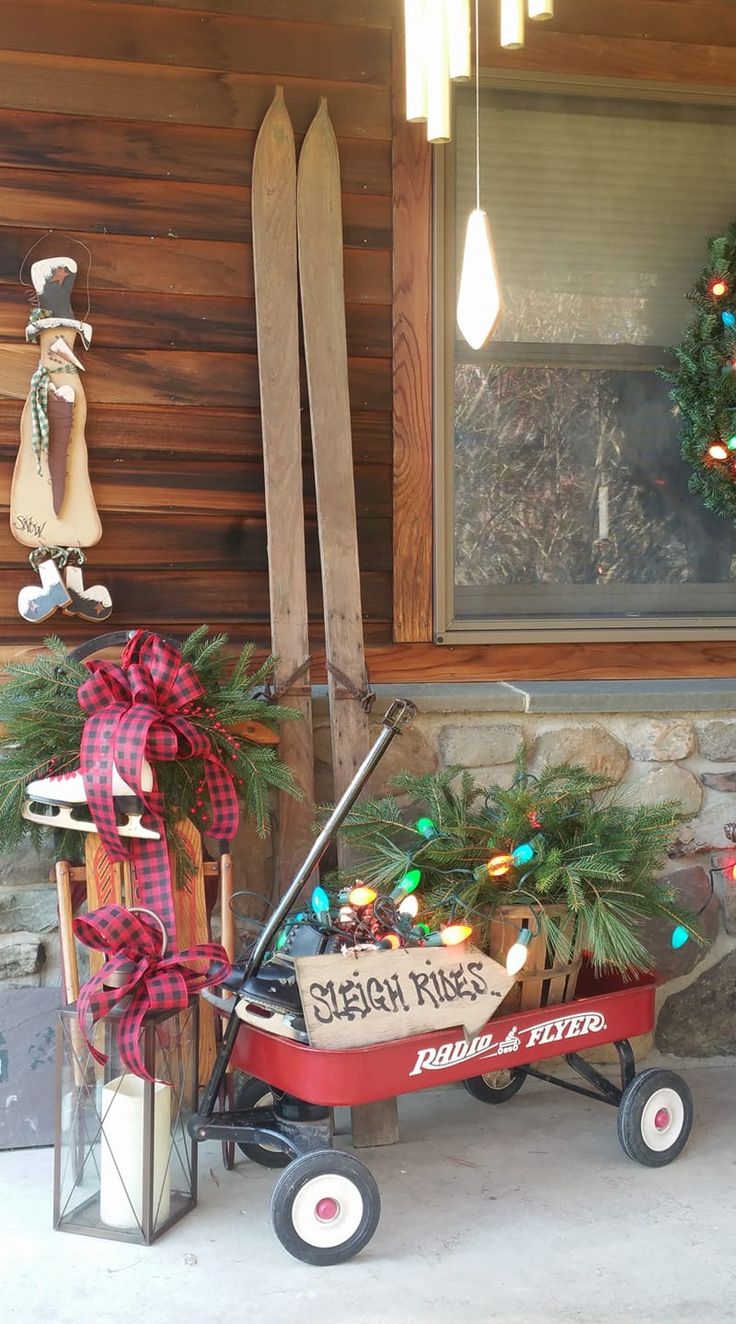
pixel 136 710
pixel 154 982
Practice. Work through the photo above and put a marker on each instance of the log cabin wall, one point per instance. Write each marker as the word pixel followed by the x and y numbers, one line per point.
pixel 130 127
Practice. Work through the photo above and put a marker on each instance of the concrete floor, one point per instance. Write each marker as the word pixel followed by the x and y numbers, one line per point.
pixel 528 1212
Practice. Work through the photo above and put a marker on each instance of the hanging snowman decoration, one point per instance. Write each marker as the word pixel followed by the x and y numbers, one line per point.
pixel 52 506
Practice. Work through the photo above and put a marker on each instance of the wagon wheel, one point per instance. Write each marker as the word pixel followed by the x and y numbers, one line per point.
pixel 654 1117
pixel 256 1093
pixel 325 1207
pixel 495 1086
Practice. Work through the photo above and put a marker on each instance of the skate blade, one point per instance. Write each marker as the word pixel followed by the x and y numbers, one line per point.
pixel 274 1020
pixel 61 818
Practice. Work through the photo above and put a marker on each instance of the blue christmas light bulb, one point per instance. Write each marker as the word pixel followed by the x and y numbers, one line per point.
pixel 679 937
pixel 728 319
pixel 523 854
pixel 320 902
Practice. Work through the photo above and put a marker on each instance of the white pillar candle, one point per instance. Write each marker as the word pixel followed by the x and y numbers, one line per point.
pixel 121 1152
pixel 541 8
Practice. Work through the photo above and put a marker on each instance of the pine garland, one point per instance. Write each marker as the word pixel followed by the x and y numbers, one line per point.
pixel 704 384
pixel 597 857
pixel 42 730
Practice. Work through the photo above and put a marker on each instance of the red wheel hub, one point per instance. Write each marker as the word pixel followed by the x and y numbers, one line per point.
pixel 326 1209
pixel 662 1119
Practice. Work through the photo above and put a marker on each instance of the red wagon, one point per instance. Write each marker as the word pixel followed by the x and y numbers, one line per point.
pixel 325 1206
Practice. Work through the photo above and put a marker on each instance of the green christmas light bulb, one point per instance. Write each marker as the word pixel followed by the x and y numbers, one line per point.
pixel 427 827
pixel 409 883
pixel 680 936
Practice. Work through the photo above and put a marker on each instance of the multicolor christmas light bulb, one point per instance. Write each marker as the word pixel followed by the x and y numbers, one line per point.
pixel 449 937
pixel 320 903
pixel 518 952
pixel 427 827
pixel 409 883
pixel 362 896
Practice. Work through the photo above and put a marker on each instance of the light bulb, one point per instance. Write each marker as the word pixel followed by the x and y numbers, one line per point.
pixel 362 896
pixel 718 288
pixel 320 901
pixel 717 451
pixel 391 943
pixel 523 854
pixel 512 24
pixel 541 8
pixel 680 936
pixel 458 21
pixel 449 937
pixel 409 883
pixel 728 319
pixel 415 39
pixel 438 72
pixel 517 954
pixel 498 865
pixel 427 828
pixel 733 873
pixel 410 906
pixel 479 295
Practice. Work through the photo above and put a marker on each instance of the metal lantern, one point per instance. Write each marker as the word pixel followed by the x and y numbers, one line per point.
pixel 125 1166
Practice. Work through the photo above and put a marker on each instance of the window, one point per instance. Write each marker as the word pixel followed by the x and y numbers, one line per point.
pixel 562 501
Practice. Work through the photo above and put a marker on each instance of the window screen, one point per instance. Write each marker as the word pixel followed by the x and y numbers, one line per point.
pixel 566 497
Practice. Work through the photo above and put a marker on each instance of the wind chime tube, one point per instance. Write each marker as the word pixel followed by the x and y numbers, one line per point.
pixel 415 38
pixel 438 73
pixel 541 8
pixel 512 24
pixel 479 296
pixel 458 23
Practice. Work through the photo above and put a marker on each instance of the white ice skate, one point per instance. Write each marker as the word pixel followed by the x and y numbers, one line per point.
pixel 61 802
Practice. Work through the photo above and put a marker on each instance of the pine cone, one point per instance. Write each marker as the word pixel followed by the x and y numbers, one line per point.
pixel 729 830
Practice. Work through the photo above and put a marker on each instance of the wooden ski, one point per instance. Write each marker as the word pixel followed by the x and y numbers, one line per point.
pixel 319 229
pixel 319 226
pixel 277 323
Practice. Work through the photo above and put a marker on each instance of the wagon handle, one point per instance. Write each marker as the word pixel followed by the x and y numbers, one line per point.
pixel 400 714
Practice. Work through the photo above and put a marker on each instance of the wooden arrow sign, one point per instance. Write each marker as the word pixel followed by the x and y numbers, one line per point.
pixel 353 999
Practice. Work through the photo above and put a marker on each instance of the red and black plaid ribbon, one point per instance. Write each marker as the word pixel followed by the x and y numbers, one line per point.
pixel 152 982
pixel 135 711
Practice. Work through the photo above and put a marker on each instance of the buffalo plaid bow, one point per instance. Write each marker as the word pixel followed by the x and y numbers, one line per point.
pixel 153 982
pixel 135 710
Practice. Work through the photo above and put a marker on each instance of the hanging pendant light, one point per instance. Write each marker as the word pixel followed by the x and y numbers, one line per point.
pixel 479 295
pixel 438 72
pixel 416 62
pixel 512 24
pixel 541 8
pixel 458 27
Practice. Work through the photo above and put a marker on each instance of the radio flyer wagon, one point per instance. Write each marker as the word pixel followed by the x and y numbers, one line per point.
pixel 326 1205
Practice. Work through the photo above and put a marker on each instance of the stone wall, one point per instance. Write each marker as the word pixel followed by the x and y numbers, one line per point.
pixel 690 757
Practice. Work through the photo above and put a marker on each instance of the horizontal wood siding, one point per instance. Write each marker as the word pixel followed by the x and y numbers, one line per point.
pixel 130 125
pixel 131 128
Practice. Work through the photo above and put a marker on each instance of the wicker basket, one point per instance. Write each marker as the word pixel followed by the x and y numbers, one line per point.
pixel 545 980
